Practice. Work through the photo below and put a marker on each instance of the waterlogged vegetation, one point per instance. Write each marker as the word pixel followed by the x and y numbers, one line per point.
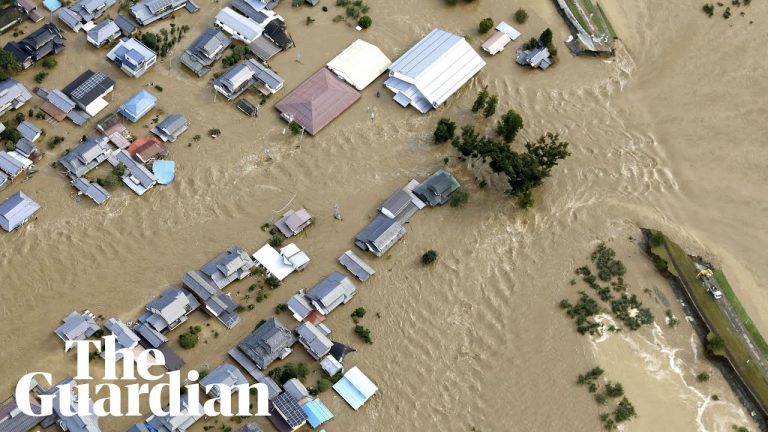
pixel 725 10
pixel 606 396
pixel 625 307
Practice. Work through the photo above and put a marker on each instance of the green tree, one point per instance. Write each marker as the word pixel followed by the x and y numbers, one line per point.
pixel 490 106
pixel 526 200
pixel 445 130
pixel 459 198
pixel 365 21
pixel 273 281
pixel 482 98
pixel 546 38
pixel 9 65
pixel 50 63
pixel 521 16
pixel 188 340
pixel 509 125
pixel 364 334
pixel 702 377
pixel 323 385
pixel 624 411
pixel 151 40
pixel 429 257
pixel 485 25
pixel 294 127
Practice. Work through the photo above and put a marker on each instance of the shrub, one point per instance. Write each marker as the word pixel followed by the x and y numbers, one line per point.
pixel 509 125
pixel 702 377
pixel 261 295
pixel 521 16
pixel 50 63
pixel 213 133
pixel 364 334
pixel 273 281
pixel 526 200
pixel 614 390
pixel 485 25
pixel 624 411
pixel 9 65
pixel 709 9
pixel 490 106
pixel 459 198
pixel 429 257
pixel 276 240
pixel 188 340
pixel 282 307
pixel 310 20
pixel 111 180
pixel 365 21
pixel 546 37
pixel 158 87
pixel 359 312
pixel 11 134
pixel 323 385
pixel 40 77
pixel 657 238
pixel 295 128
pixel 445 130
pixel 480 101
pixel 289 371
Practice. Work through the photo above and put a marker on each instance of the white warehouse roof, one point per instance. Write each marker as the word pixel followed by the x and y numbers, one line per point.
pixel 360 64
pixel 432 70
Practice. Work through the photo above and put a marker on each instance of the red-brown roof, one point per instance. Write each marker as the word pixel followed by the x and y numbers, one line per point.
pixel 52 111
pixel 314 317
pixel 146 148
pixel 317 101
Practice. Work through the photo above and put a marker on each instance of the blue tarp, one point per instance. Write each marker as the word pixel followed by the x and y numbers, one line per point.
pixel 164 171
pixel 137 106
pixel 317 413
pixel 52 5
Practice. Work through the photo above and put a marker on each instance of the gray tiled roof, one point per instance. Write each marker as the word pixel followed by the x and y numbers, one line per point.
pixel 77 326
pixel 86 156
pixel 226 374
pixel 316 343
pixel 356 265
pixel 437 189
pixel 267 342
pixel 333 291
pixel 171 127
pixel 16 210
pixel 380 235
pixel 103 32
pixel 13 94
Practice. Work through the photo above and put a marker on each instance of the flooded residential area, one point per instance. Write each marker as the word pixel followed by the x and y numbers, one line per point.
pixel 664 133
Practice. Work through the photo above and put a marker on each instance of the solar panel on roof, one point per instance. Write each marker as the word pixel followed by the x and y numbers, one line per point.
pixel 290 409
pixel 88 85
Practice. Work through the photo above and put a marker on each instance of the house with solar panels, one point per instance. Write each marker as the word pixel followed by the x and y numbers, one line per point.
pixel 433 70
pixel 132 57
pixel 286 413
pixel 148 11
pixel 88 91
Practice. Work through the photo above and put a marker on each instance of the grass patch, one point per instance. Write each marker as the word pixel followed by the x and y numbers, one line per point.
pixel 577 13
pixel 735 349
pixel 739 308
pixel 607 22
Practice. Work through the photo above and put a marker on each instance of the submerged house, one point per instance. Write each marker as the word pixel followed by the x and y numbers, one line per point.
pixel 61 417
pixel 293 222
pixel 433 70
pixel 283 263
pixel 10 17
pixel 125 338
pixel 30 8
pixel 360 64
pixel 238 26
pixel 402 204
pixel 169 310
pixel 270 341
pixel 504 34
pixel 332 292
pixel 314 340
pixel 437 188
pixel 13 164
pixel 171 128
pixel 355 388
pixel 92 190
pixel 138 106
pixel 45 41
pixel 245 75
pixel 29 150
pixel 286 413
pixel 380 235
pixel 537 58
pixel 88 91
pixel 83 12
pixel 190 413
pixel 205 50
pixel 16 211
pixel 86 156
pixel 356 265
pixel 146 12
pixel 317 101
pixel 13 95
pixel 231 265
pixel 13 419
pixel 132 57
pixel 273 28
pixel 77 326
pixel 104 33
pixel 225 375
pixel 59 106
pixel 146 149
pixel 137 177
pixel 29 131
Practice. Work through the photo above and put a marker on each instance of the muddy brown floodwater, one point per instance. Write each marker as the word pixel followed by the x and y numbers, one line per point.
pixel 669 134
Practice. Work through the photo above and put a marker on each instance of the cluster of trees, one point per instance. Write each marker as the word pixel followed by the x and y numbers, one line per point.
pixel 486 24
pixel 485 102
pixel 239 51
pixel 622 412
pixel 163 42
pixel 544 41
pixel 9 66
pixel 289 371
pixel 364 334
pixel 113 179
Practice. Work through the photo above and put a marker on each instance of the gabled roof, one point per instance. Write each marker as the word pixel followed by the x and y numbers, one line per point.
pixel 29 131
pixel 138 105
pixel 295 388
pixel 355 388
pixel 230 265
pixel 16 210
pixel 205 50
pixel 508 30
pixel 86 156
pixel 360 64
pixel 317 101
pixel 170 309
pixel 379 235
pixel 125 337
pixel 103 32
pixel 331 292
pixel 77 326
pixel 10 165
pixel 356 265
pixel 146 148
pixel 137 177
pixel 293 222
pixel 433 69
pixel 171 127
pixel 317 413
pixel 437 189
pixel 316 343
pixel 149 11
pixel 238 26
pixel 226 374
pixel 14 93
pixel 92 190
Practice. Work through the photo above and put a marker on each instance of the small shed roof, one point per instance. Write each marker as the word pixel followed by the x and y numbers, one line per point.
pixel 360 64
pixel 356 265
pixel 317 412
pixel 355 388
pixel 508 30
pixel 496 43
pixel 317 101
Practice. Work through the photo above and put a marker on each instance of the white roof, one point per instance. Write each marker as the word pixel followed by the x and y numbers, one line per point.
pixel 275 264
pixel 330 365
pixel 294 256
pixel 508 30
pixel 360 64
pixel 240 27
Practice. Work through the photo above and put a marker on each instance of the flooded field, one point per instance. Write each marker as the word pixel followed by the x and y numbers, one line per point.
pixel 668 134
